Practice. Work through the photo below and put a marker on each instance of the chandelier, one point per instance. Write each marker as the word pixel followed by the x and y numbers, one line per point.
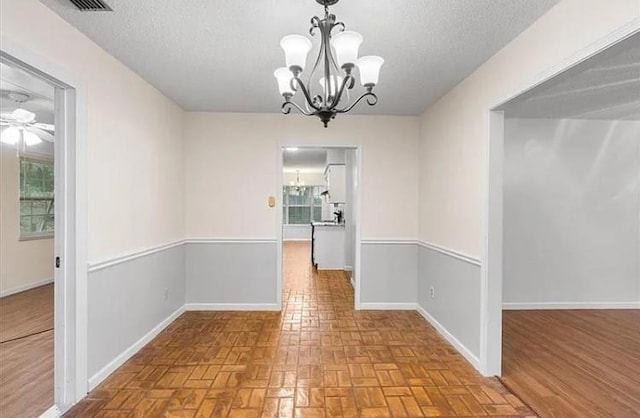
pixel 334 74
pixel 297 185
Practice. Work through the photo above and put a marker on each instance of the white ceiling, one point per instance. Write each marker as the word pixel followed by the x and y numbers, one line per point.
pixel 307 159
pixel 606 87
pixel 219 55
pixel 41 94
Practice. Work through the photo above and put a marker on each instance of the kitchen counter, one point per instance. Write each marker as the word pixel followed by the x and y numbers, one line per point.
pixel 327 245
pixel 327 223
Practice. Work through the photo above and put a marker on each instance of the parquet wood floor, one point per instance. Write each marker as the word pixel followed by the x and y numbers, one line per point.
pixel 573 363
pixel 317 358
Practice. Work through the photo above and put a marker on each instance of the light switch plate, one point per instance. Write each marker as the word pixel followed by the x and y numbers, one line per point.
pixel 272 201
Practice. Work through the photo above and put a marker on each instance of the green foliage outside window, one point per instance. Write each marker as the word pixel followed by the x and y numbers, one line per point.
pixel 36 198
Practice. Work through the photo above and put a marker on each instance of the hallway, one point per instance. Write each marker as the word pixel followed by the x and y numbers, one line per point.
pixel 317 358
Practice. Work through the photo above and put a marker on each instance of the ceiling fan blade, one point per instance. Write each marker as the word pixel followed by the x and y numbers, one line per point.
pixel 42 134
pixel 23 116
pixel 44 126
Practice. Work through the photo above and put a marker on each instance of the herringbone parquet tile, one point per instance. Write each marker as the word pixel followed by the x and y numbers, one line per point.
pixel 317 358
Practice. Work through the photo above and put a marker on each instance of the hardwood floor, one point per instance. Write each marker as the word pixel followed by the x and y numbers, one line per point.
pixel 26 313
pixel 317 358
pixel 26 376
pixel 574 363
pixel 26 353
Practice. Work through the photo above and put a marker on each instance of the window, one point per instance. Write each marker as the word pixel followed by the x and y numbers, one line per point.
pixel 301 205
pixel 36 198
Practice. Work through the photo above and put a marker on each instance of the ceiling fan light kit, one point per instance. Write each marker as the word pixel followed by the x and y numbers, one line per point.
pixel 335 72
pixel 21 126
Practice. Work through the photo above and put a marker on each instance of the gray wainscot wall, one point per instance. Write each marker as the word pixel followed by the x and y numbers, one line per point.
pixel 129 299
pixel 455 308
pixel 231 275
pixel 389 275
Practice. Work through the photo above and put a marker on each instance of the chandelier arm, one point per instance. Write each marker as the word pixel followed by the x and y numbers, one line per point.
pixel 338 97
pixel 369 95
pixel 286 108
pixel 315 24
pixel 339 25
pixel 302 87
pixel 315 66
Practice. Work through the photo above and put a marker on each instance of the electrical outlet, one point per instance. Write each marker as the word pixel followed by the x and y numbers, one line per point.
pixel 166 293
pixel 432 292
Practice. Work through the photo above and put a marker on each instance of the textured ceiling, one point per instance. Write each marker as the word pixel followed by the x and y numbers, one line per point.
pixel 215 55
pixel 606 87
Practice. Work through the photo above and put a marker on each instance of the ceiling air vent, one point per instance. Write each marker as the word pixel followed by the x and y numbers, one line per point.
pixel 91 5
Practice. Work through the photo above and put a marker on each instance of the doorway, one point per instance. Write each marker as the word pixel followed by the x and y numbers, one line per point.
pixel 564 237
pixel 318 222
pixel 27 242
pixel 66 209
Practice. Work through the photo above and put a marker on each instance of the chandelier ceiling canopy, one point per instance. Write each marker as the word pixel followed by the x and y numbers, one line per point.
pixel 333 69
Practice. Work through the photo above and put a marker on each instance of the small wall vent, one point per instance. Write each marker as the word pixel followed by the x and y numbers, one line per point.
pixel 91 5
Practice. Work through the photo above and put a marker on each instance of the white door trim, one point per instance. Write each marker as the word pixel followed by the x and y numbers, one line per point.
pixel 357 206
pixel 70 305
pixel 491 268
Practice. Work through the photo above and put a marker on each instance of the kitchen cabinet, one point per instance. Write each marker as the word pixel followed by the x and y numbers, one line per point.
pixel 327 245
pixel 336 177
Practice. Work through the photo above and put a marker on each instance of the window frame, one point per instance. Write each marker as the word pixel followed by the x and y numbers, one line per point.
pixel 31 236
pixel 286 205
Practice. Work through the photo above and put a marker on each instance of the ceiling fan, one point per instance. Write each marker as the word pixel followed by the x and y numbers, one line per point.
pixel 22 126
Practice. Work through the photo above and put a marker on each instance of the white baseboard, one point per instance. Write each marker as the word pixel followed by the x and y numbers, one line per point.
pixel 388 306
pixel 462 349
pixel 530 306
pixel 28 286
pixel 53 412
pixel 97 378
pixel 296 239
pixel 232 307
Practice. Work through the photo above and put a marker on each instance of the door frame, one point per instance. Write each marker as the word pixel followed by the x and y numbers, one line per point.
pixel 70 236
pixel 492 252
pixel 357 208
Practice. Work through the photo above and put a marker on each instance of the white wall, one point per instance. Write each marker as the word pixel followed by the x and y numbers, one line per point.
pixel 296 232
pixel 454 135
pixel 220 206
pixel 349 211
pixel 135 186
pixel 25 264
pixel 134 136
pixel 454 130
pixel 309 178
pixel 571 211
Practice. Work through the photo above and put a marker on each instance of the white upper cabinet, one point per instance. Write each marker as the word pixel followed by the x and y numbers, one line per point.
pixel 337 183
